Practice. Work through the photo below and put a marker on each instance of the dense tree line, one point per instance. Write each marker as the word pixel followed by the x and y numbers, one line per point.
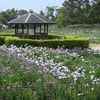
pixel 11 14
pixel 71 12
pixel 75 12
pixel 78 12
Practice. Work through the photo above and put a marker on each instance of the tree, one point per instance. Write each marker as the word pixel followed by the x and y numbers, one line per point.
pixel 31 11
pixel 71 9
pixel 8 15
pixel 42 13
pixel 11 13
pixel 1 20
pixel 77 10
pixel 62 20
pixel 22 12
pixel 95 12
pixel 5 17
pixel 51 12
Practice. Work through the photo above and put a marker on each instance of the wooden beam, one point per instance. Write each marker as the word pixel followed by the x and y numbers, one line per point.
pixel 44 29
pixel 40 29
pixel 27 30
pixel 34 29
pixel 15 30
pixel 40 32
pixel 22 30
pixel 47 30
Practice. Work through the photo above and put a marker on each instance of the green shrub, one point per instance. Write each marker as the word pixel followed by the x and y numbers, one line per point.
pixel 54 43
pixel 2 40
pixel 50 36
pixel 53 36
pixel 84 26
pixel 68 41
pixel 71 37
pixel 5 34
pixel 30 36
pixel 11 40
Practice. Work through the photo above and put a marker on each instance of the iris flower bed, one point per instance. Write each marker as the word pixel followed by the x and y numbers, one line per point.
pixel 29 66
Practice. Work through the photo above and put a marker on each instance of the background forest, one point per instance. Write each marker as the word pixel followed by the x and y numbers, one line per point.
pixel 71 12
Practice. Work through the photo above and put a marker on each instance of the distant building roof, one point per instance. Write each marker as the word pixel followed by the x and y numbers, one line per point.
pixel 31 18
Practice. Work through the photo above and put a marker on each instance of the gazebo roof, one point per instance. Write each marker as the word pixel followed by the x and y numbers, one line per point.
pixel 31 18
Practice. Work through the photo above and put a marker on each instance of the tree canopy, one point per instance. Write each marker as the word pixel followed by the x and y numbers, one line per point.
pixel 78 12
pixel 11 14
pixel 71 12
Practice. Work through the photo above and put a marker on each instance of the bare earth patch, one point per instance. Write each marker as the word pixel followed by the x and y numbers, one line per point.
pixel 95 46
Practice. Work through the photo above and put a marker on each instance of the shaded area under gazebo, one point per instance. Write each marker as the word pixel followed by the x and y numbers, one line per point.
pixel 36 20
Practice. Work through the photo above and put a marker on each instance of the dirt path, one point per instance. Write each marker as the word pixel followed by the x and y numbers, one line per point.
pixel 95 46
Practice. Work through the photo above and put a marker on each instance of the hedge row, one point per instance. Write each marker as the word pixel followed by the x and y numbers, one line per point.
pixel 83 43
pixel 51 43
pixel 31 36
pixel 2 40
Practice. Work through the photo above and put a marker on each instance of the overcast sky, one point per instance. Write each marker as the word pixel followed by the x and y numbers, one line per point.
pixel 35 5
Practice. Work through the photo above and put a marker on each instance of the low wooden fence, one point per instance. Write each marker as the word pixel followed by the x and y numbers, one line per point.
pixel 51 92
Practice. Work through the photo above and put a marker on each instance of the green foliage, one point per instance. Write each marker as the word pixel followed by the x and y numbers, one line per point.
pixel 78 12
pixel 62 19
pixel 72 37
pixel 53 36
pixel 5 34
pixel 50 12
pixel 8 15
pixel 11 14
pixel 68 41
pixel 54 43
pixel 50 36
pixel 2 40
pixel 22 12
pixel 84 26
pixel 23 76
pixel 95 12
pixel 71 12
pixel 10 40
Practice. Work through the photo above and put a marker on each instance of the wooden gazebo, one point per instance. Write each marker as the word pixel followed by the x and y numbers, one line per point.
pixel 34 19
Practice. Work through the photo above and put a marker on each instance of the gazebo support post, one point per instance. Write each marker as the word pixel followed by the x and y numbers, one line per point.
pixel 44 34
pixel 16 29
pixel 34 30
pixel 22 31
pixel 47 31
pixel 40 32
pixel 27 30
pixel 44 28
